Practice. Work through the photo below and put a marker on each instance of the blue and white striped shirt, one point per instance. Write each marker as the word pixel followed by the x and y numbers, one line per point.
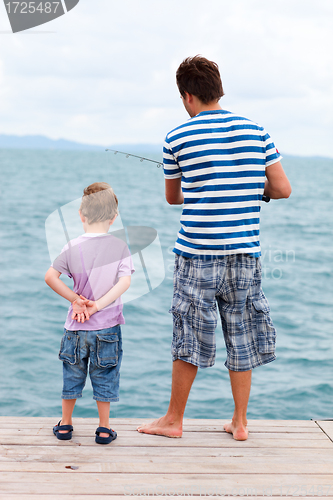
pixel 221 159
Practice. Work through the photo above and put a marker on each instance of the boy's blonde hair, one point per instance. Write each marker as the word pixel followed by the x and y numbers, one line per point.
pixel 99 203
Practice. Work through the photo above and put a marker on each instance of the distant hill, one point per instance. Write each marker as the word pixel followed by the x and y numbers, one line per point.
pixel 43 142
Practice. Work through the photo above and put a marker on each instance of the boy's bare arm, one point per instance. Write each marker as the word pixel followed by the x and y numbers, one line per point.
pixel 52 278
pixel 112 295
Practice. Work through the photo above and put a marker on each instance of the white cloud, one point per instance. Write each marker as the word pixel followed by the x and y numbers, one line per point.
pixel 107 74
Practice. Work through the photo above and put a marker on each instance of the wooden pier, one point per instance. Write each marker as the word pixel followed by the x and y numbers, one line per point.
pixel 280 459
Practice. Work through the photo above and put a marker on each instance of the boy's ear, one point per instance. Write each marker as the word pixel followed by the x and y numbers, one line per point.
pixel 82 217
pixel 112 220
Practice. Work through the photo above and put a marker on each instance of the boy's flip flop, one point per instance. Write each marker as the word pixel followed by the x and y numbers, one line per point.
pixel 60 435
pixel 103 440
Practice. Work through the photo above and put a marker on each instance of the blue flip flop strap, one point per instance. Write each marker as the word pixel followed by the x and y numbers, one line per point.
pixel 104 429
pixel 63 428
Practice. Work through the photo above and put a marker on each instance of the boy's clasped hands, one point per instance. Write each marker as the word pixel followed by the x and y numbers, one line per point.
pixel 83 308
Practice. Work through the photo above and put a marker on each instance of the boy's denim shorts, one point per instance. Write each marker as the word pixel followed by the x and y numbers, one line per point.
pixel 233 283
pixel 103 348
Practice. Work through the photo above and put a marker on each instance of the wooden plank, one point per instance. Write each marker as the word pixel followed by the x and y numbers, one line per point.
pixel 223 440
pixel 134 435
pixel 327 427
pixel 82 427
pixel 10 496
pixel 14 496
pixel 168 484
pixel 237 466
pixel 137 421
pixel 110 453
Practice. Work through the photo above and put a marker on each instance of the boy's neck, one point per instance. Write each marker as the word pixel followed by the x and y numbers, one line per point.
pixel 98 227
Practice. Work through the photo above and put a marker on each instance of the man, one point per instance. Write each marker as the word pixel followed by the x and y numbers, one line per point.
pixel 216 165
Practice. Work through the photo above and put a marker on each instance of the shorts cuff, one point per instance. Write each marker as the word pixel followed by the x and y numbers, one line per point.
pixel 194 362
pixel 254 365
pixel 71 396
pixel 106 400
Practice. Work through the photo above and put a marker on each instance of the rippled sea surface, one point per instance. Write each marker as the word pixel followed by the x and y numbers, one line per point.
pixel 296 237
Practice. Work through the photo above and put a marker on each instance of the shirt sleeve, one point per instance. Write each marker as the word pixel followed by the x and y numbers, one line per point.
pixel 126 267
pixel 272 154
pixel 61 263
pixel 170 165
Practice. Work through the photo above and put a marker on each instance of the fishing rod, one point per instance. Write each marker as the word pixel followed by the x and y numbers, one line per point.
pixel 266 199
pixel 141 158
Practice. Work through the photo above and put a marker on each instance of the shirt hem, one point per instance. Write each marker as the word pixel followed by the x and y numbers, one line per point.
pixel 98 327
pixel 211 255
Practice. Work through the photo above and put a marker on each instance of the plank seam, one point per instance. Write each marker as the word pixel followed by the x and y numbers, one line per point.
pixel 168 473
pixel 318 447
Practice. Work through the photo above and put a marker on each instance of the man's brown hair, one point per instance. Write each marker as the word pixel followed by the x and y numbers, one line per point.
pixel 99 203
pixel 200 77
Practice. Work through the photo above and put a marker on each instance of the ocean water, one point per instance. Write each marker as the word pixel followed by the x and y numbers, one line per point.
pixel 296 237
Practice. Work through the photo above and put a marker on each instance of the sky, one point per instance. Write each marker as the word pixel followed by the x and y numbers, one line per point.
pixel 104 73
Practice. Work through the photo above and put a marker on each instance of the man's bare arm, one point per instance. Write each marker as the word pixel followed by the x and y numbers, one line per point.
pixel 173 191
pixel 277 184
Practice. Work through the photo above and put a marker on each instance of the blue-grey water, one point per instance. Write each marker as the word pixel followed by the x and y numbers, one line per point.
pixel 296 237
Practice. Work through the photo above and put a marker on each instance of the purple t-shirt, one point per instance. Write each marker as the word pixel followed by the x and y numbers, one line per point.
pixel 96 261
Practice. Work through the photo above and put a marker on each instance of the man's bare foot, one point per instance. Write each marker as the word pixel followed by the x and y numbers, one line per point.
pixel 162 427
pixel 240 432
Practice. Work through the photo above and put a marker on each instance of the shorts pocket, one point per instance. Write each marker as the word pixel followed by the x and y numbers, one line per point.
pixel 182 341
pixel 107 350
pixel 69 348
pixel 264 326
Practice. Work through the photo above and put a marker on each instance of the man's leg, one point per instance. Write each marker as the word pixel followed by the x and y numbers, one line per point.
pixel 171 425
pixel 241 386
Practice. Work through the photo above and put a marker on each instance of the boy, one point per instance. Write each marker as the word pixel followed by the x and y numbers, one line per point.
pixel 101 267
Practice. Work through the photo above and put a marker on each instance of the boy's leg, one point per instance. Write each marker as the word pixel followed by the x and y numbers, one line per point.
pixel 171 425
pixel 75 361
pixel 241 386
pixel 104 370
pixel 67 412
pixel 103 413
